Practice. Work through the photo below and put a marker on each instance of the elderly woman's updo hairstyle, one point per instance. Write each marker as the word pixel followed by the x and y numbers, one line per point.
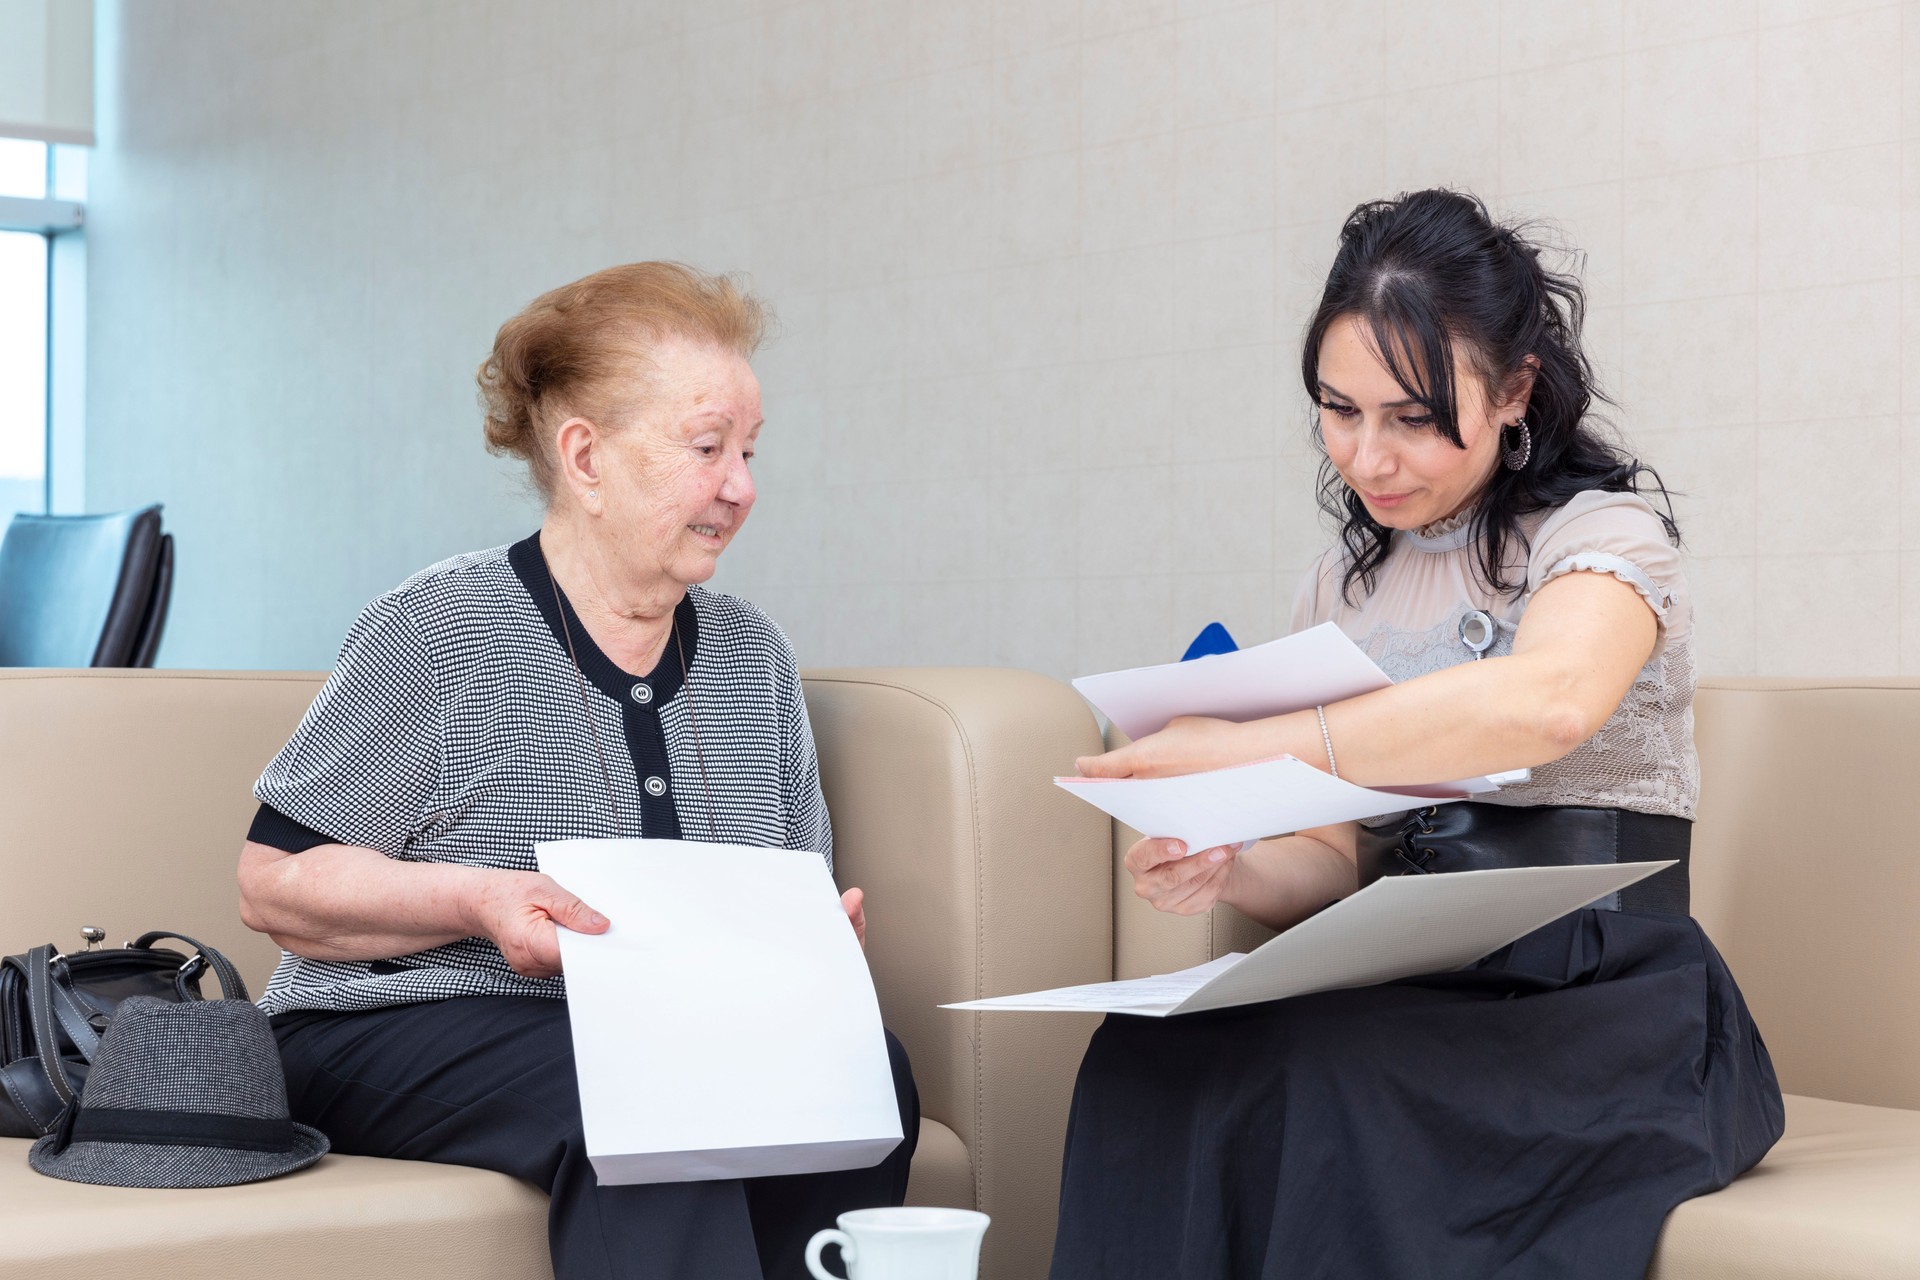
pixel 582 349
pixel 1431 270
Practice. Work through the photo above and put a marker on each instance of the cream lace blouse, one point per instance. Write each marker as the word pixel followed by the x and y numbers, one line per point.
pixel 1642 758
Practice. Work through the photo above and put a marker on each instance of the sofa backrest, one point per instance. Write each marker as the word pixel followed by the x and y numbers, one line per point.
pixel 1807 879
pixel 130 792
pixel 1803 875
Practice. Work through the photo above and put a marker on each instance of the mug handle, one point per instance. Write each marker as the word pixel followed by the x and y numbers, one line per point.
pixel 821 1239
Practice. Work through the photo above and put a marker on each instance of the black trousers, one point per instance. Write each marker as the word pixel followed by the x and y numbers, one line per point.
pixel 489 1082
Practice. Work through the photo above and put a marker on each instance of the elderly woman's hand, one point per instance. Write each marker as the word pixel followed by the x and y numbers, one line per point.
pixel 854 901
pixel 519 912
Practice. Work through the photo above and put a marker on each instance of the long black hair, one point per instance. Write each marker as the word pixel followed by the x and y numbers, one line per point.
pixel 1432 270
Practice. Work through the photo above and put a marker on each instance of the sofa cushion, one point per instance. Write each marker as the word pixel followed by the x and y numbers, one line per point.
pixel 345 1216
pixel 1836 1198
pixel 942 1172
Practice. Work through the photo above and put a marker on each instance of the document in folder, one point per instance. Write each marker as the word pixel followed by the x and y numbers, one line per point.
pixel 1397 927
pixel 725 1025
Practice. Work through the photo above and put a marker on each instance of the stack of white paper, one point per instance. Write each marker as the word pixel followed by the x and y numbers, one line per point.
pixel 1397 927
pixel 725 1025
pixel 1270 797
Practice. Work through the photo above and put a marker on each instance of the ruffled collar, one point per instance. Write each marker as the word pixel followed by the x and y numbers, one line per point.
pixel 1451 534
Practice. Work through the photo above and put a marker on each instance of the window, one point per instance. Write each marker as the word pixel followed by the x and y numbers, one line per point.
pixel 31 292
pixel 23 338
pixel 23 373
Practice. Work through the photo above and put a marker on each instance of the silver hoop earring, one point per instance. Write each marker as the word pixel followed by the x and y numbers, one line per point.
pixel 1517 455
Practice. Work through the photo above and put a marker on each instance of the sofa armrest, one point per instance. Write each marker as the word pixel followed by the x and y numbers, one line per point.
pixel 983 879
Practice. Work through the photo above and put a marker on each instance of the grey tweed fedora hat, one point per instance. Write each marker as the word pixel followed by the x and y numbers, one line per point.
pixel 180 1095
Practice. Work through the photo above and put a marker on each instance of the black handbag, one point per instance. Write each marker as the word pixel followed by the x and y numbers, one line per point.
pixel 53 1008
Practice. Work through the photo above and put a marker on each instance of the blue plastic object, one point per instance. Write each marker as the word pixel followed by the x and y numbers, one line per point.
pixel 1213 638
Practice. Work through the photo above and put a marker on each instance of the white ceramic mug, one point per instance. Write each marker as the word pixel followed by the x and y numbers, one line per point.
pixel 903 1244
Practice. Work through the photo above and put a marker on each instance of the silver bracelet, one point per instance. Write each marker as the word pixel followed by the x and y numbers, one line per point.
pixel 1327 738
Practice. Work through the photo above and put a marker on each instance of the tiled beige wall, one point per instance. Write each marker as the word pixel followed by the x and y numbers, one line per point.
pixel 1042 266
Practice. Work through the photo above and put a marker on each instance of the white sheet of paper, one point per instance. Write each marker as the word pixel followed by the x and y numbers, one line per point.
pixel 725 1025
pixel 1156 996
pixel 1309 668
pixel 1306 669
pixel 1248 801
pixel 1396 927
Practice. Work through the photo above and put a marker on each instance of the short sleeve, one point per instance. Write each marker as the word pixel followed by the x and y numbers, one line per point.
pixel 808 826
pixel 1613 533
pixel 364 763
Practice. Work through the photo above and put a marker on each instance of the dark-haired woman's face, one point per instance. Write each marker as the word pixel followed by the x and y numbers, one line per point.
pixel 1387 446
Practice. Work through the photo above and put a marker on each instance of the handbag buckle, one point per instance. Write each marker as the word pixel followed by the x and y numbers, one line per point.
pixel 193 966
pixel 94 936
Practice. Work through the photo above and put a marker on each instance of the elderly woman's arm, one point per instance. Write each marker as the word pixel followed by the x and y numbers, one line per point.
pixel 344 902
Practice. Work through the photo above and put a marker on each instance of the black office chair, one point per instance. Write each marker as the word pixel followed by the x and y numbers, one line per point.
pixel 84 591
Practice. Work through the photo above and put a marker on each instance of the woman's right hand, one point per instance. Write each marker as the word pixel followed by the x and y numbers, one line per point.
pixel 1171 881
pixel 520 912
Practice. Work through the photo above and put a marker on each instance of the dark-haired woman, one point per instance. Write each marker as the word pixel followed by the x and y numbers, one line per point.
pixel 1540 1113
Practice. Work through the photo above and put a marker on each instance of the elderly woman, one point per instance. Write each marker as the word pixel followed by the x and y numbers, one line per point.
pixel 580 682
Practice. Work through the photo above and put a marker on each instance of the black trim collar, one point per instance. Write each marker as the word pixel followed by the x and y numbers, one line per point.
pixel 530 566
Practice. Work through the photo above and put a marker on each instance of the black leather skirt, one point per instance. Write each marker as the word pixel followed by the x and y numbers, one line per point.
pixel 1476 837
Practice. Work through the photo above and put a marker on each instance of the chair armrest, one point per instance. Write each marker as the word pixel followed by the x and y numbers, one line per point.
pixel 983 879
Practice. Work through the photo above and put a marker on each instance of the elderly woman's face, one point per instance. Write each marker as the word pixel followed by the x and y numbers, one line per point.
pixel 676 488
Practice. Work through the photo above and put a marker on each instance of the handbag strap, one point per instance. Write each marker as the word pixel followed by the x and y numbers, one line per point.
pixel 74 1020
pixel 39 964
pixel 231 985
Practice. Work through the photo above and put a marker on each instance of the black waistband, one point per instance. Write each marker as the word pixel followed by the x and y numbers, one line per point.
pixel 1477 837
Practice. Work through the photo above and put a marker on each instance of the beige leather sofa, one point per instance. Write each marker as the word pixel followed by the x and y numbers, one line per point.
pixel 123 795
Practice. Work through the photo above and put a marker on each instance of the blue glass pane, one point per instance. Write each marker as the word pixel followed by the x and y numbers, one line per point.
pixel 23 168
pixel 23 373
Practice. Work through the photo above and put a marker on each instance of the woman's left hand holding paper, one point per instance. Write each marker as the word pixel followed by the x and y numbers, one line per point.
pixel 1171 881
